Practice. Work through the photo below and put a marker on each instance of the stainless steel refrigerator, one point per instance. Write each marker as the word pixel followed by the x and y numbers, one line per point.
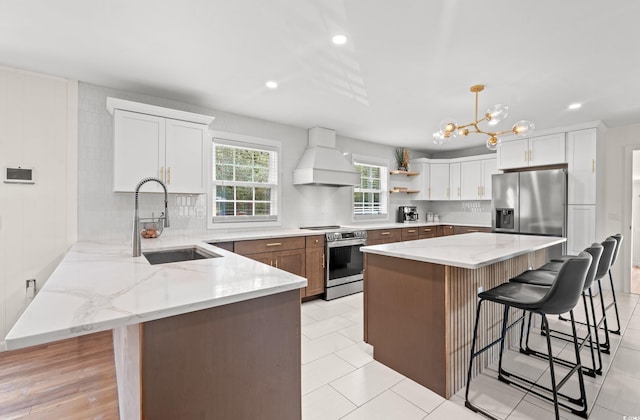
pixel 531 202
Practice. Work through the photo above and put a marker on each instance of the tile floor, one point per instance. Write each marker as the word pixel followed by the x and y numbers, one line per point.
pixel 340 379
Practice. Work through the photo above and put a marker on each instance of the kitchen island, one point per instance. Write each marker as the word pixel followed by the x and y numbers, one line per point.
pixel 420 301
pixel 192 339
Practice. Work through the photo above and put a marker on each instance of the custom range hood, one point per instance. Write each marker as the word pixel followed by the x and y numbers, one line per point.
pixel 322 164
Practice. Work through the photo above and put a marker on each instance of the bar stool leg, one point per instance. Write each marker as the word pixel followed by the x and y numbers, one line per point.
pixel 606 346
pixel 615 305
pixel 551 368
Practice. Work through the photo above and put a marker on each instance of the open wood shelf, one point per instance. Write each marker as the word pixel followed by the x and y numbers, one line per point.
pixel 407 173
pixel 404 191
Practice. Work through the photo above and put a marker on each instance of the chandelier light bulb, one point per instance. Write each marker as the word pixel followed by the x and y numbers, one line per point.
pixel 523 127
pixel 492 143
pixel 440 138
pixel 497 113
pixel 448 127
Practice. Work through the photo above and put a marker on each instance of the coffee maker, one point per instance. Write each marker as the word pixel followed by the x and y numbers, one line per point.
pixel 407 214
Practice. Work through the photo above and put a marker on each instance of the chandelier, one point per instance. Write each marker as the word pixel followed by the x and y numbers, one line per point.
pixel 449 129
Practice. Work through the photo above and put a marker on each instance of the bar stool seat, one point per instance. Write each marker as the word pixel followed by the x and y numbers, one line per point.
pixel 544 276
pixel 560 297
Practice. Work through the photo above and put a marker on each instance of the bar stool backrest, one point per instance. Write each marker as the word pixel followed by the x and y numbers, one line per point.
pixel 618 238
pixel 567 287
pixel 595 250
pixel 606 259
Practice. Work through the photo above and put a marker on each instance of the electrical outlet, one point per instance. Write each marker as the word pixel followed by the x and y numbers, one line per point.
pixel 31 288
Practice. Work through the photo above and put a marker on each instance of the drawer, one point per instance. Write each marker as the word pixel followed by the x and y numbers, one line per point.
pixel 427 232
pixel 315 241
pixel 269 245
pixel 384 235
pixel 457 230
pixel 409 234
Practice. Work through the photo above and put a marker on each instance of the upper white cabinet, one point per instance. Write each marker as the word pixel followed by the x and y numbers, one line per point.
pixel 421 182
pixel 439 181
pixel 475 178
pixel 148 143
pixel 536 151
pixel 454 181
pixel 581 159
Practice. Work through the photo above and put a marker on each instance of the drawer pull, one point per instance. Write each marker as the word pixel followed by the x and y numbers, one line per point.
pixel 385 233
pixel 412 231
pixel 276 263
pixel 427 230
pixel 275 244
pixel 473 230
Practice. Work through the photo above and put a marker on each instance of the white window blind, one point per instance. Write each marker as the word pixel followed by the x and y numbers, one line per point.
pixel 370 197
pixel 245 182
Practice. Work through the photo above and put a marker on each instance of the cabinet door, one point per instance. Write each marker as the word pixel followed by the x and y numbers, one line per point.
pixel 314 262
pixel 263 257
pixel 420 182
pixel 454 181
pixel 446 230
pixel 581 159
pixel 138 150
pixel 546 150
pixel 581 229
pixel 470 179
pixel 439 182
pixel 185 142
pixel 513 154
pixel 488 169
pixel 292 261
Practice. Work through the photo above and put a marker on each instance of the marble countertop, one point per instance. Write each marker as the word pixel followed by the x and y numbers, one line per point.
pixel 250 234
pixel 470 250
pixel 100 286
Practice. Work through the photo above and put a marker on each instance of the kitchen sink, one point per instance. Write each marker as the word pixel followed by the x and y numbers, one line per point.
pixel 177 255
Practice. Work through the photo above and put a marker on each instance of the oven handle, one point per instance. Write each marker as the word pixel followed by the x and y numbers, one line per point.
pixel 349 242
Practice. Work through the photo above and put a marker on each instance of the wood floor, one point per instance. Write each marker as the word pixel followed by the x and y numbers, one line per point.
pixel 69 379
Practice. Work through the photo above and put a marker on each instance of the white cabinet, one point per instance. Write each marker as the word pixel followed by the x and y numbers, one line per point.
pixel 149 144
pixel 439 181
pixel 536 151
pixel 475 179
pixel 581 227
pixel 581 159
pixel 420 182
pixel 454 181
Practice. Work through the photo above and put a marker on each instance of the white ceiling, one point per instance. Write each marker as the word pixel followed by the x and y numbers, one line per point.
pixel 408 63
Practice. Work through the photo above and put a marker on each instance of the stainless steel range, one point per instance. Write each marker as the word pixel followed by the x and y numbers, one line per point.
pixel 345 263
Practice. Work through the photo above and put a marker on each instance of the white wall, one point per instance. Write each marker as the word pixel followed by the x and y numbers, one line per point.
pixel 104 215
pixel 618 190
pixel 38 129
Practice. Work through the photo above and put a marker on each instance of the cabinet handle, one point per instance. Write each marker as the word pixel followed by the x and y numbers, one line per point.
pixel 271 263
pixel 275 244
pixel 427 230
pixel 412 231
pixel 385 233
pixel 525 155
pixel 162 173
pixel 593 166
pixel 169 175
pixel 276 263
pixel 322 260
pixel 473 230
pixel 530 155
pixel 316 241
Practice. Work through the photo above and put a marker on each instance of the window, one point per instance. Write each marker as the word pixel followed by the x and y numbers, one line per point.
pixel 245 182
pixel 370 197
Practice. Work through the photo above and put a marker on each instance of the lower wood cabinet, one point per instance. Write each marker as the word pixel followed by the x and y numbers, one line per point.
pixel 410 234
pixel 427 232
pixel 457 230
pixel 315 265
pixel 383 236
pixel 445 230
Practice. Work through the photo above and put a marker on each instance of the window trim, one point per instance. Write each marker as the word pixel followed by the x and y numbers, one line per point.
pixel 233 139
pixel 371 160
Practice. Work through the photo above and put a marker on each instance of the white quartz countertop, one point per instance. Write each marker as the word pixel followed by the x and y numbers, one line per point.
pixel 470 250
pixel 98 287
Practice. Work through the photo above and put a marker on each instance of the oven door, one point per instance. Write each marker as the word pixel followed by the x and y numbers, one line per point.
pixel 345 262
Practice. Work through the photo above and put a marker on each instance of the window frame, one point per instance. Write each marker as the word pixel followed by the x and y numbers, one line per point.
pixel 384 190
pixel 239 140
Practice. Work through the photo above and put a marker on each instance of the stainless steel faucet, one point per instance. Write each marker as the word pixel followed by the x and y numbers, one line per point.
pixel 136 218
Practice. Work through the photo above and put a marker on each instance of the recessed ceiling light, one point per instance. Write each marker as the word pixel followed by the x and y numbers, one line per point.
pixel 271 84
pixel 339 39
pixel 575 106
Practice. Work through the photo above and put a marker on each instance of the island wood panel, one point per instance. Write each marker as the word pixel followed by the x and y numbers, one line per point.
pixel 405 306
pixel 419 316
pixel 237 361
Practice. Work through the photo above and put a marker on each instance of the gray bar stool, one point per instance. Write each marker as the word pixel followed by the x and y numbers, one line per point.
pixel 614 303
pixel 561 297
pixel 544 276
